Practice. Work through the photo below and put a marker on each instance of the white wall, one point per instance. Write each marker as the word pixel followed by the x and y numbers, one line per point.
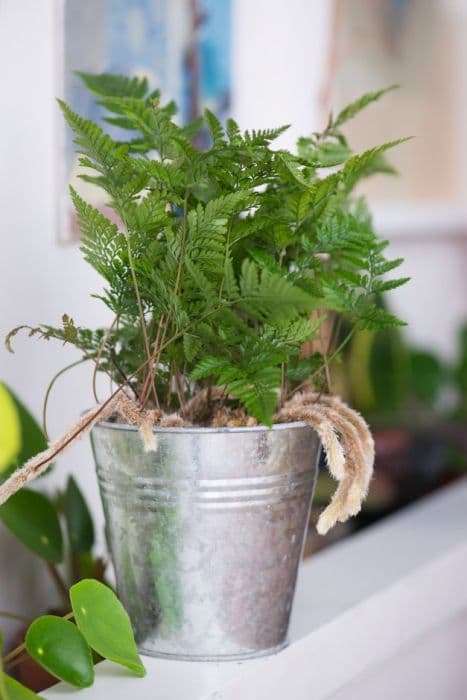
pixel 279 56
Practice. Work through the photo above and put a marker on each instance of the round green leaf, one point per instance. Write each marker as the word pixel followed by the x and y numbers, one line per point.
pixel 105 624
pixel 17 691
pixel 32 518
pixel 59 647
pixel 78 518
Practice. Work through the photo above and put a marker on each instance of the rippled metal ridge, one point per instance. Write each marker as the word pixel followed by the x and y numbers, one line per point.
pixel 164 494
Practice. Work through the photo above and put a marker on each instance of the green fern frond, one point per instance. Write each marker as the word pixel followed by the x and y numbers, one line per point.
pixel 101 151
pixel 215 128
pixel 231 247
pixel 363 164
pixel 110 85
pixel 103 245
pixel 263 137
pixel 269 296
pixel 351 110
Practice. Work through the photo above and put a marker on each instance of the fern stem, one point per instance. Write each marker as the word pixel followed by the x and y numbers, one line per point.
pixel 158 351
pixel 182 245
pixel 282 390
pixel 320 369
pixel 50 387
pixel 99 357
pixel 324 351
pixel 179 390
pixel 226 257
pixel 141 315
pixel 153 363
pixel 160 345
pixel 121 372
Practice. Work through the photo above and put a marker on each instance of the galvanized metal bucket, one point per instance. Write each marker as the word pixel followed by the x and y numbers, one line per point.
pixel 206 533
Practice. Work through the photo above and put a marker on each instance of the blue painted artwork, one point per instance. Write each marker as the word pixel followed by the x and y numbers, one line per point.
pixel 181 46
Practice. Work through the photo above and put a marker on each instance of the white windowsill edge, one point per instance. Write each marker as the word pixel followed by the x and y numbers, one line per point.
pixel 357 604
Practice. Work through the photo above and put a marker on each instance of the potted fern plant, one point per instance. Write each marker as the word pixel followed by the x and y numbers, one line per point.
pixel 227 272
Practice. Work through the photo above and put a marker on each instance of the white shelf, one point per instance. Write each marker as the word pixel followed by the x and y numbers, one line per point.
pixel 358 604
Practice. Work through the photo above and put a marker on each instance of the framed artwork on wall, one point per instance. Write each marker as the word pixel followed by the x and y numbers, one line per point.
pixel 419 45
pixel 181 46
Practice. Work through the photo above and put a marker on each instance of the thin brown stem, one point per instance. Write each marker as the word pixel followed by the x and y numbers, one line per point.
pixel 10 665
pixel 329 360
pixel 59 582
pixel 159 344
pixel 179 390
pixel 282 391
pixel 327 373
pixel 15 616
pixel 169 387
pixel 141 315
pixel 50 387
pixel 158 350
pixel 121 372
pixel 14 653
pixel 99 357
pixel 144 391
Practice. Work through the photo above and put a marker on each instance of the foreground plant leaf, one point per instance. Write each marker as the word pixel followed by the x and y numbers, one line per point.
pixel 78 519
pixel 105 624
pixel 10 429
pixel 20 435
pixel 59 647
pixel 16 691
pixel 3 690
pixel 32 518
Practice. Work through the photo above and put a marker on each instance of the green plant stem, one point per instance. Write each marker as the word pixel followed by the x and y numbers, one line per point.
pixel 329 360
pixel 226 256
pixel 12 654
pixel 59 582
pixel 282 390
pixel 50 387
pixel 182 244
pixel 116 364
pixel 99 356
pixel 144 390
pixel 159 345
pixel 141 313
pixel 10 665
pixel 15 616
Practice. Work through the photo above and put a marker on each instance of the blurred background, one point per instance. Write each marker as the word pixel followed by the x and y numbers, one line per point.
pixel 266 63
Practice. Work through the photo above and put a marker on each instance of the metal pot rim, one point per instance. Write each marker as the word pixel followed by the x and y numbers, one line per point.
pixel 201 429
